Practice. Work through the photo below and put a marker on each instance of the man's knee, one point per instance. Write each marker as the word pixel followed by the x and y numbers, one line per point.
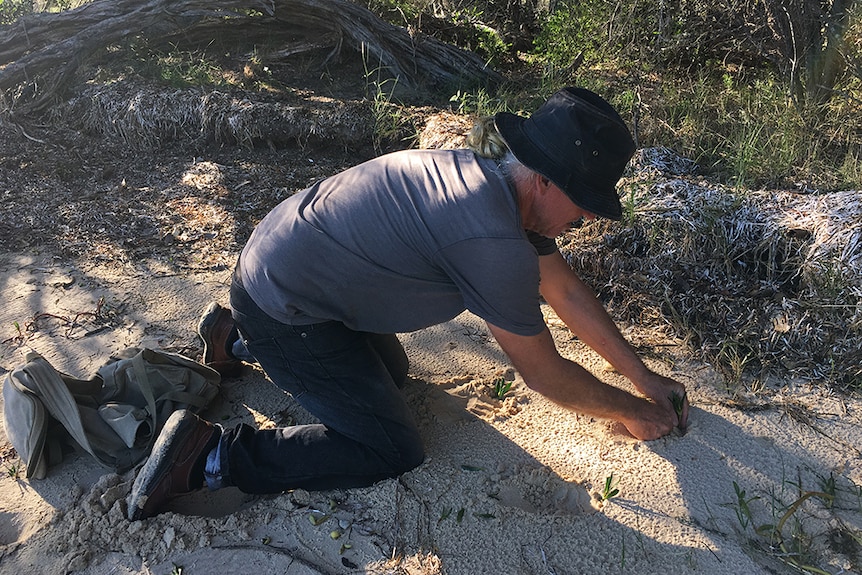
pixel 411 454
pixel 413 458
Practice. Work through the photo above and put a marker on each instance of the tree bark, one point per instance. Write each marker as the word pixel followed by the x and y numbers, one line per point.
pixel 40 52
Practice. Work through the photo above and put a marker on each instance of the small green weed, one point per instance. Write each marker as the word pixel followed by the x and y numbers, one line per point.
pixel 829 486
pixel 13 471
pixel 609 490
pixel 786 538
pixel 479 103
pixel 19 337
pixel 501 387
pixel 742 506
pixel 177 570
pixel 794 548
pixel 445 514
pixel 732 359
pixel 390 121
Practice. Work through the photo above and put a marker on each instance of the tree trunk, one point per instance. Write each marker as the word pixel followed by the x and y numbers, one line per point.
pixel 809 36
pixel 40 52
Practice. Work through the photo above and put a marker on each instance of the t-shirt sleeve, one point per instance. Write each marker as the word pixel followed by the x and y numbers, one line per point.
pixel 499 281
pixel 544 246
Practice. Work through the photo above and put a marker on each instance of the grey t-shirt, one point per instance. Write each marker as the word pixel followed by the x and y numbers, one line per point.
pixel 399 243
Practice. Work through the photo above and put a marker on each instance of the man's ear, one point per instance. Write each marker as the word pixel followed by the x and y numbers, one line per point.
pixel 541 182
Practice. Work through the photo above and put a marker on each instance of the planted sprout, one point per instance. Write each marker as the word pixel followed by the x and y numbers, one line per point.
pixel 678 402
pixel 13 470
pixel 610 488
pixel 501 387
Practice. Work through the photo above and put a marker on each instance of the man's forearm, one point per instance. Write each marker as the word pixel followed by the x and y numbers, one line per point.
pixel 576 304
pixel 577 389
pixel 563 381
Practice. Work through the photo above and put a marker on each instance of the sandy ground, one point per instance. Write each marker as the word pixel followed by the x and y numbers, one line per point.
pixel 511 486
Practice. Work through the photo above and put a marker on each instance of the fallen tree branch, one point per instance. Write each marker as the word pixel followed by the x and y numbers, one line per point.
pixel 43 51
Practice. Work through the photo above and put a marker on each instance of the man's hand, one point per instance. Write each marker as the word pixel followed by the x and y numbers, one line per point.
pixel 669 398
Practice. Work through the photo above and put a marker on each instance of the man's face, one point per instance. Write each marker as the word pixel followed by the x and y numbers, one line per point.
pixel 554 212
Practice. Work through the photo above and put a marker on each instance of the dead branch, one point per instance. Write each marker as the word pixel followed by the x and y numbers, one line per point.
pixel 41 52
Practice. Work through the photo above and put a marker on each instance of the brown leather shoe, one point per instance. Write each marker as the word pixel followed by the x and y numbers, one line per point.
pixel 176 464
pixel 216 327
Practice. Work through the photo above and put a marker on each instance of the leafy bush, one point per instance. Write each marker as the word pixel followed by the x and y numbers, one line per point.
pixel 573 28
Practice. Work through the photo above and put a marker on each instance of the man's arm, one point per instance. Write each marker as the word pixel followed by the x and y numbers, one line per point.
pixel 576 304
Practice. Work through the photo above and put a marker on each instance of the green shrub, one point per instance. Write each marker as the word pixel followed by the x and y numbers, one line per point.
pixel 573 28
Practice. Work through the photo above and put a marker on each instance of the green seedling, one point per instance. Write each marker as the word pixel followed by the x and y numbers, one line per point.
pixel 829 486
pixel 742 508
pixel 609 491
pixel 444 515
pixel 501 387
pixel 177 570
pixel 13 471
pixel 678 402
pixel 460 516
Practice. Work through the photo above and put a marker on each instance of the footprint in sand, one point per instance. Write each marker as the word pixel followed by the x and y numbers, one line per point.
pixel 541 491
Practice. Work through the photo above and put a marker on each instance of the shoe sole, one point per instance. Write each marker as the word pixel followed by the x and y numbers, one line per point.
pixel 209 317
pixel 206 323
pixel 159 464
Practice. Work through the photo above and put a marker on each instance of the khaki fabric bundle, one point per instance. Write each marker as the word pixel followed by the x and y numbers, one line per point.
pixel 114 416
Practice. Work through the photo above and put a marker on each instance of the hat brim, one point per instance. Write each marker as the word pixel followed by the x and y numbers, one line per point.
pixel 602 202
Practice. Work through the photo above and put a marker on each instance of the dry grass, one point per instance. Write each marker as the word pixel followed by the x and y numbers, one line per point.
pixel 145 116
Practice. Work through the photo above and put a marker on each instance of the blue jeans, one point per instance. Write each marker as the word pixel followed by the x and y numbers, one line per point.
pixel 349 380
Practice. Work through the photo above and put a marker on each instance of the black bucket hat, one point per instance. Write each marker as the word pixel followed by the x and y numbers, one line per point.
pixel 579 142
